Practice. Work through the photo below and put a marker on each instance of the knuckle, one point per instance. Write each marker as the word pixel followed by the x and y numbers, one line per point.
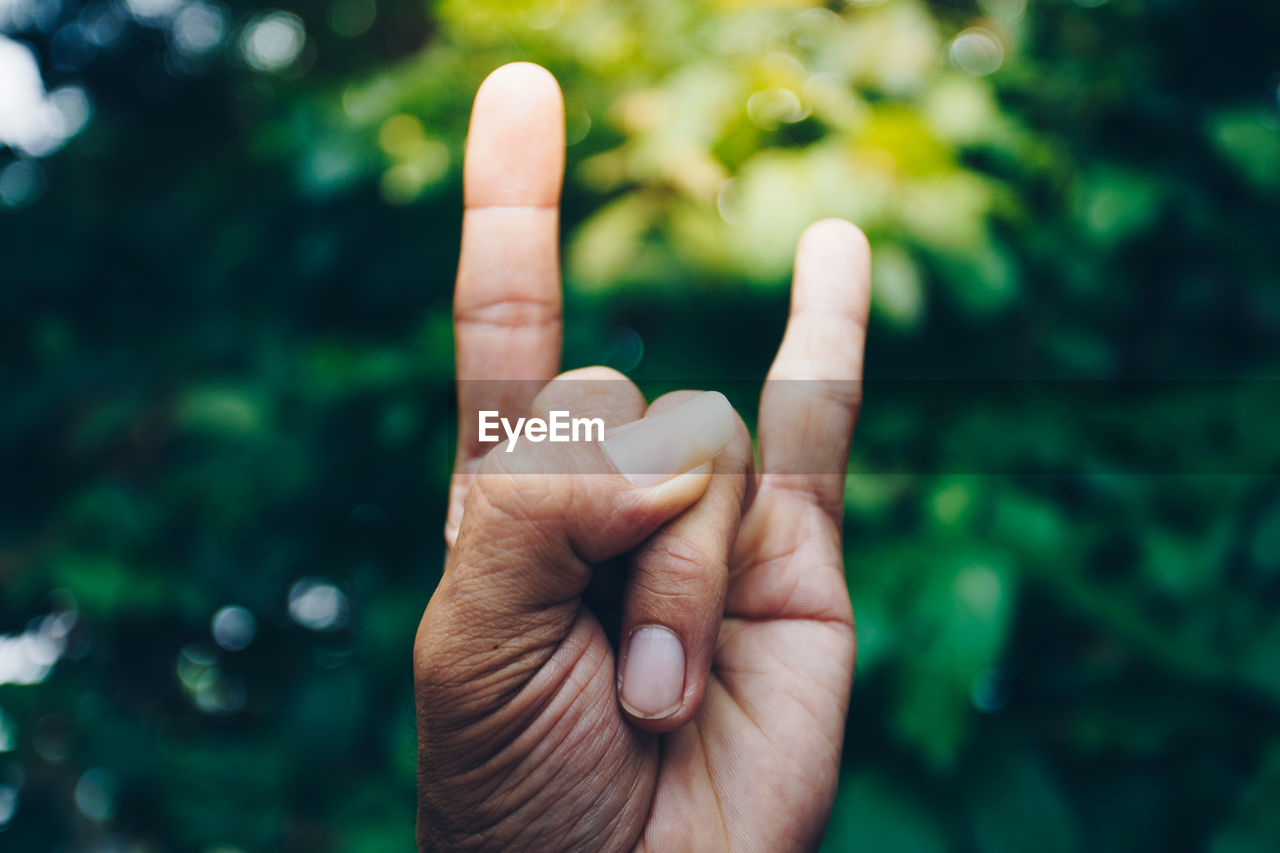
pixel 673 566
pixel 517 487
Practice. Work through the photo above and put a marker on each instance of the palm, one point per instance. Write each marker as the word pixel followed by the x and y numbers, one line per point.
pixel 763 752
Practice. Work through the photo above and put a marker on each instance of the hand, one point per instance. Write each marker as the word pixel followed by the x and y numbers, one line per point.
pixel 723 727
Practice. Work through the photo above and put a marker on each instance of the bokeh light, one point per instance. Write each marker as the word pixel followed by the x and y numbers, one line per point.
pixel 103 23
pixel 977 51
pixel 153 12
pixel 318 605
pixel 777 105
pixel 1007 12
pixel 97 794
pixel 21 184
pixel 728 202
pixel 8 804
pixel 273 41
pixel 32 120
pixel 234 627
pixel 29 657
pixel 352 18
pixel 210 686
pixel 199 28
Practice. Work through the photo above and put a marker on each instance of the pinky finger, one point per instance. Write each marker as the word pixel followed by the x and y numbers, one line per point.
pixel 811 398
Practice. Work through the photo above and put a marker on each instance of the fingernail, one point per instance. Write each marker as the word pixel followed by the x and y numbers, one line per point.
pixel 653 677
pixel 655 449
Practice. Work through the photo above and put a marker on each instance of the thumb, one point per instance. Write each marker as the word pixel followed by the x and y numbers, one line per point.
pixel 543 513
pixel 535 522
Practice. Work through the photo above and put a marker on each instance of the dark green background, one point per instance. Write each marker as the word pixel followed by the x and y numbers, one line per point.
pixel 224 338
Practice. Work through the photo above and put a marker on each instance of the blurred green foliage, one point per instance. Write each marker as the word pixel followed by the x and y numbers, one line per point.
pixel 224 343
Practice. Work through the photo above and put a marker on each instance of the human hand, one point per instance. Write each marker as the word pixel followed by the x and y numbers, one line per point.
pixel 723 729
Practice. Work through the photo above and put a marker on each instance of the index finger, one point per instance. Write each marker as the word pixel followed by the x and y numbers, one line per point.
pixel 507 302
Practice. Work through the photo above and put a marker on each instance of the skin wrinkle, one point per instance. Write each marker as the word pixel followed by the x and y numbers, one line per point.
pixel 804 432
pixel 814 715
pixel 781 599
pixel 493 686
pixel 788 600
pixel 736 702
pixel 526 627
pixel 639 792
pixel 839 392
pixel 491 736
pixel 642 844
pixel 706 764
pixel 473 208
pixel 677 550
pixel 725 677
pixel 662 593
pixel 675 571
pixel 768 780
pixel 805 493
pixel 575 546
pixel 554 682
pixel 503 701
pixel 525 529
pixel 549 307
pixel 827 497
pixel 501 592
pixel 705 748
pixel 502 330
pixel 579 729
pixel 507 493
pixel 833 621
pixel 589 782
pixel 696 742
pixel 815 369
pixel 435 822
pixel 569 718
pixel 817 718
pixel 555 690
pixel 508 523
pixel 507 317
pixel 485 688
pixel 467 594
pixel 808 534
pixel 655 845
pixel 502 771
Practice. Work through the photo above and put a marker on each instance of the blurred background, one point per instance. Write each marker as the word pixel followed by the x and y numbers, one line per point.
pixel 228 233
